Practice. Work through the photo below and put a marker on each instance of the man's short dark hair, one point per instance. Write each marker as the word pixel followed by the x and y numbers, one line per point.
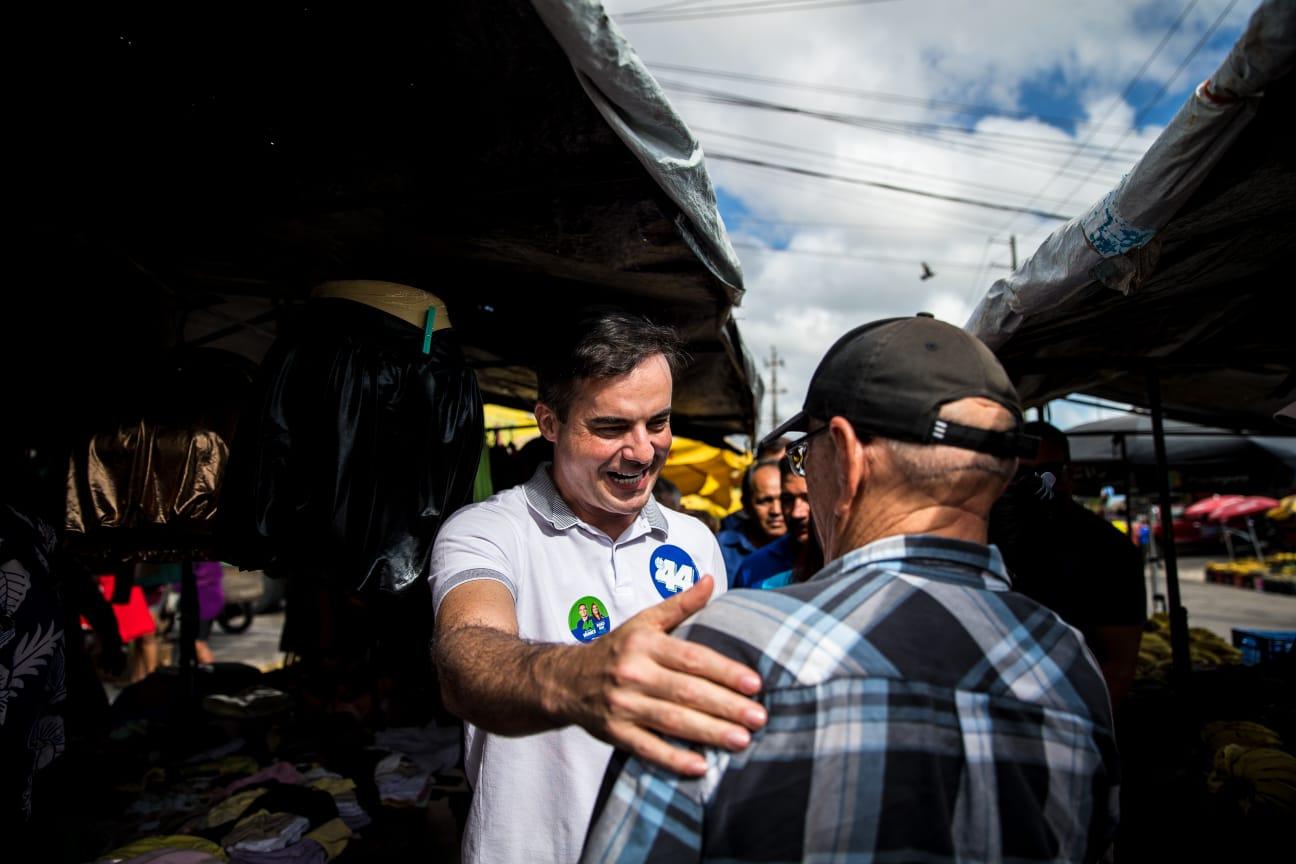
pixel 1050 436
pixel 776 446
pixel 602 346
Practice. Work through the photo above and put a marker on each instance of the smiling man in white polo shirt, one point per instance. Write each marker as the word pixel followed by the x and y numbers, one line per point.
pixel 537 677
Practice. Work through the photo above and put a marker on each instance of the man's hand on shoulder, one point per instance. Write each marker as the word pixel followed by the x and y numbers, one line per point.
pixel 639 680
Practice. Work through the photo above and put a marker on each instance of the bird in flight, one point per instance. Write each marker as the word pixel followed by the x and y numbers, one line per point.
pixel 927 272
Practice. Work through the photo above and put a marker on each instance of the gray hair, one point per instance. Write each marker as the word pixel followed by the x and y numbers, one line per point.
pixel 931 468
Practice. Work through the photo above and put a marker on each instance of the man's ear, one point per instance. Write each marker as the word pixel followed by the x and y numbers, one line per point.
pixel 849 461
pixel 548 421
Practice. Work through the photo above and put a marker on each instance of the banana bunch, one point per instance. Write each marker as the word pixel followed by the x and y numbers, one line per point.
pixel 1222 733
pixel 1209 650
pixel 1205 649
pixel 1153 655
pixel 1257 777
pixel 1285 510
pixel 1243 566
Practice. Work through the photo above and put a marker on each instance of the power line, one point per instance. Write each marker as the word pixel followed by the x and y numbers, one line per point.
pixel 979 149
pixel 823 175
pixel 1156 97
pixel 824 192
pixel 959 218
pixel 1125 93
pixel 952 106
pixel 864 259
pixel 740 221
pixel 738 10
pixel 792 148
pixel 661 7
pixel 911 127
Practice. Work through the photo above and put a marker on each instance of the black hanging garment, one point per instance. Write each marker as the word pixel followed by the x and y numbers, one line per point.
pixel 355 448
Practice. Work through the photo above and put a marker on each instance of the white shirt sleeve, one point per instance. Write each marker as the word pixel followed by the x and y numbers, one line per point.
pixel 477 542
pixel 717 568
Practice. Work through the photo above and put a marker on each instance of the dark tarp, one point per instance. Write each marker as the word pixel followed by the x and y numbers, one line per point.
pixel 1186 443
pixel 1206 459
pixel 515 160
pixel 1185 265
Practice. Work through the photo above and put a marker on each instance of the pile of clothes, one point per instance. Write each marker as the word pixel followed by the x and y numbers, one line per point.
pixel 272 787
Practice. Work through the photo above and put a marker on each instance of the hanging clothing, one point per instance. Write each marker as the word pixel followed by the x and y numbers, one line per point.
pixel 355 448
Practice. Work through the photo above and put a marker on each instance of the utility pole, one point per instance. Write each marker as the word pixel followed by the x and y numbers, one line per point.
pixel 773 364
pixel 1012 251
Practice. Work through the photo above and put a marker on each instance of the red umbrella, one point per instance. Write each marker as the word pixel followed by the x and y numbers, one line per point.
pixel 1249 506
pixel 1207 506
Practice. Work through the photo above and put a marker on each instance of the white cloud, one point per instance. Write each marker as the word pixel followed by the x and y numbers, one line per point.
pixel 979 52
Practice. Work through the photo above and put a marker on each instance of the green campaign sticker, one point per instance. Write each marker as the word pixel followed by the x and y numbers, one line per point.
pixel 588 619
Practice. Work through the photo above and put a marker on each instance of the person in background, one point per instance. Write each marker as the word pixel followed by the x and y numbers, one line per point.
pixel 764 518
pixel 211 600
pixel 919 709
pixel 1072 560
pixel 774 565
pixel 667 494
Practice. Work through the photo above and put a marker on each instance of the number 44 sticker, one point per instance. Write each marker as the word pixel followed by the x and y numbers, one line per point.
pixel 672 570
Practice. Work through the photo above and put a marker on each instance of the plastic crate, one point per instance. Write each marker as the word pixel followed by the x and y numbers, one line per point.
pixel 1258 646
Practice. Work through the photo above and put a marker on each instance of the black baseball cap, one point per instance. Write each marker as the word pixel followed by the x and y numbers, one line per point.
pixel 891 377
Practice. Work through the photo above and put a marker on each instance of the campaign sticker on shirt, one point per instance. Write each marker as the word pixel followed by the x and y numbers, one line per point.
pixel 672 570
pixel 588 619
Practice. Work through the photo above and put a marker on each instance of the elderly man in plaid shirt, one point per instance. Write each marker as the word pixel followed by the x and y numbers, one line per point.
pixel 919 710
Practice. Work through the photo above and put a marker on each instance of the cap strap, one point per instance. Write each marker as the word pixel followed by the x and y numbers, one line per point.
pixel 1010 443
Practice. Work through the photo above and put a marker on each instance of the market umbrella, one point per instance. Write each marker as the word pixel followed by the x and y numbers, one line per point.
pixel 1204 508
pixel 1241 509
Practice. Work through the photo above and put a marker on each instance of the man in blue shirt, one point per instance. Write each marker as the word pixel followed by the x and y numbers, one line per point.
pixel 762 520
pixel 773 565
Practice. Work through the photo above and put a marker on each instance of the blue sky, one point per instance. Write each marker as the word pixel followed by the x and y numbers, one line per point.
pixel 1033 104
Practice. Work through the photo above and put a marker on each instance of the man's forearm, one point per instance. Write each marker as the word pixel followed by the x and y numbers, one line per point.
pixel 501 683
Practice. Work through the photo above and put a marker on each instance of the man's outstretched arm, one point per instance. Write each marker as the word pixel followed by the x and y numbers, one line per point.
pixel 624 688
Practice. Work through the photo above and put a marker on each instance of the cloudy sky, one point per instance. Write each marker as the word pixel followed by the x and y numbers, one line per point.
pixel 1031 104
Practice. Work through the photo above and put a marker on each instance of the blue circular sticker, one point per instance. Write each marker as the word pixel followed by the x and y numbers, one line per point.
pixel 672 570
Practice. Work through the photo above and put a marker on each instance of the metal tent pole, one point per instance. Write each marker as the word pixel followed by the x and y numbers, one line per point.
pixel 1182 663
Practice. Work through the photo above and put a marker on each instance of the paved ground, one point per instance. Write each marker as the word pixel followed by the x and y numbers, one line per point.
pixel 1220 608
pixel 258 646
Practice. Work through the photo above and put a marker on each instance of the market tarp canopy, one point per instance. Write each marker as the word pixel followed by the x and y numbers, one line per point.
pixel 1186 443
pixel 516 159
pixel 1185 265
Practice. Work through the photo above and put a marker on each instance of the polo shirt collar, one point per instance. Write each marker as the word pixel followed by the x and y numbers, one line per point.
pixel 544 498
pixel 945 559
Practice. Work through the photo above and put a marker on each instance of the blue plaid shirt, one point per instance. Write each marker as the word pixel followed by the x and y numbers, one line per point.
pixel 919 710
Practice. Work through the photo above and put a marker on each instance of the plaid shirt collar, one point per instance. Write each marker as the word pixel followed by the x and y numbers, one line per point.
pixel 957 561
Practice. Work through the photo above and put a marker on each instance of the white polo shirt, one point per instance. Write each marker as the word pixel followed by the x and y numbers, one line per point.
pixel 533 796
